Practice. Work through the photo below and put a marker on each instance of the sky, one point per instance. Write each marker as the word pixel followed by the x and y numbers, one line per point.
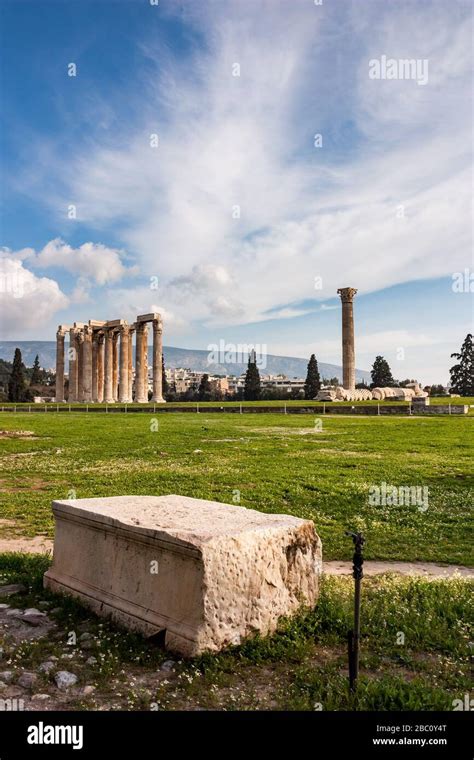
pixel 232 163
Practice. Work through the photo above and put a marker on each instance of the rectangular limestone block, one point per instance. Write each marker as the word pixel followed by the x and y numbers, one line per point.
pixel 201 574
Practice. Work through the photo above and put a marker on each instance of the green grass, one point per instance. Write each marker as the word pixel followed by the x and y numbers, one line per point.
pixel 272 463
pixel 301 667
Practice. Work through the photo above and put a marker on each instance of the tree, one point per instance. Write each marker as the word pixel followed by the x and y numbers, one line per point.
pixel 36 375
pixel 16 384
pixel 164 381
pixel 313 381
pixel 205 389
pixel 462 374
pixel 252 388
pixel 381 374
pixel 437 390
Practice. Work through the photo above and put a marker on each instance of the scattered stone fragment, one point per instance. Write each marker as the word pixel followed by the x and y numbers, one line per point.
pixel 4 607
pixel 6 675
pixel 64 680
pixel 40 697
pixel 168 665
pixel 87 690
pixel 89 661
pixel 67 656
pixel 32 611
pixel 46 667
pixel 14 613
pixel 3 685
pixel 53 658
pixel 85 636
pixel 12 588
pixel 27 680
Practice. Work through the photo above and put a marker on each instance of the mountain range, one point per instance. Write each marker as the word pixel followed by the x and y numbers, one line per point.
pixel 189 358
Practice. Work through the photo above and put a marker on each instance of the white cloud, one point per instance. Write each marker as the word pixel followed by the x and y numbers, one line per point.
pixel 90 260
pixel 26 300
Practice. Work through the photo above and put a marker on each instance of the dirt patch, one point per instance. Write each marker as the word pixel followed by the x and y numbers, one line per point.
pixel 426 569
pixel 19 434
pixel 27 484
pixel 35 545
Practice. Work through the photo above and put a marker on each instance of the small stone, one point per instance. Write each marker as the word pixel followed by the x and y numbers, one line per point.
pixel 27 680
pixel 53 658
pixel 32 611
pixel 40 697
pixel 4 607
pixel 12 588
pixel 3 685
pixel 168 665
pixel 85 636
pixel 88 690
pixel 64 680
pixel 90 661
pixel 34 620
pixel 46 667
pixel 6 675
pixel 14 613
pixel 67 656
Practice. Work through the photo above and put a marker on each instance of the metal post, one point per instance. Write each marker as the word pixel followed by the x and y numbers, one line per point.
pixel 354 635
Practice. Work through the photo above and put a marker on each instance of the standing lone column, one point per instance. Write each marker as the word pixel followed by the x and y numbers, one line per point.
pixel 158 361
pixel 123 372
pixel 109 349
pixel 141 364
pixel 60 364
pixel 72 396
pixel 348 350
pixel 87 365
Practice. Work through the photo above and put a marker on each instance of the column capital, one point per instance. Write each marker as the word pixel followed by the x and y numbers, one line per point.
pixel 347 294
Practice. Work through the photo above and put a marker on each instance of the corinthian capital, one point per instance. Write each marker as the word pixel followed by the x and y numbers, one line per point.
pixel 347 294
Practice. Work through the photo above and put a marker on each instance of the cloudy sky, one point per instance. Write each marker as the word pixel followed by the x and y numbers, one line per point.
pixel 231 163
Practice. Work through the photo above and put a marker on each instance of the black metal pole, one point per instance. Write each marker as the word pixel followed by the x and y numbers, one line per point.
pixel 354 635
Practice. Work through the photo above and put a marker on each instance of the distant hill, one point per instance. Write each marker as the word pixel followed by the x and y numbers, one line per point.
pixel 189 358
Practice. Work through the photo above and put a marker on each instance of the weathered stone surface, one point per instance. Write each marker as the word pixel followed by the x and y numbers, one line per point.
pixel 12 588
pixel 64 680
pixel 199 574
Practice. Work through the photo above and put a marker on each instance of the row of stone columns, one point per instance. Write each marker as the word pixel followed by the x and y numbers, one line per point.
pixel 101 361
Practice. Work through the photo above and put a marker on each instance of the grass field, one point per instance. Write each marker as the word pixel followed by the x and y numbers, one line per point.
pixel 414 653
pixel 271 462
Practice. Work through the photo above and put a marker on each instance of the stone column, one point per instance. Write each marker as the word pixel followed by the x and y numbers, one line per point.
pixel 130 365
pixel 100 367
pixel 115 355
pixel 348 350
pixel 80 364
pixel 123 371
pixel 87 365
pixel 158 361
pixel 141 363
pixel 95 367
pixel 109 350
pixel 60 364
pixel 73 362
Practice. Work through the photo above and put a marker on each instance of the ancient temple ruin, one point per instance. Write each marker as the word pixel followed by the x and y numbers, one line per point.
pixel 100 358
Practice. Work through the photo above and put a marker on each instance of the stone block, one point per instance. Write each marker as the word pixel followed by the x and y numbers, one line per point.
pixel 199 575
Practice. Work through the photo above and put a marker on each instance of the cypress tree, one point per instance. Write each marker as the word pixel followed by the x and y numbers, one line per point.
pixel 36 374
pixel 313 380
pixel 16 383
pixel 252 388
pixel 205 390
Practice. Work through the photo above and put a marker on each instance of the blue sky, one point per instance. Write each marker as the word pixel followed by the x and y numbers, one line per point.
pixel 227 219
